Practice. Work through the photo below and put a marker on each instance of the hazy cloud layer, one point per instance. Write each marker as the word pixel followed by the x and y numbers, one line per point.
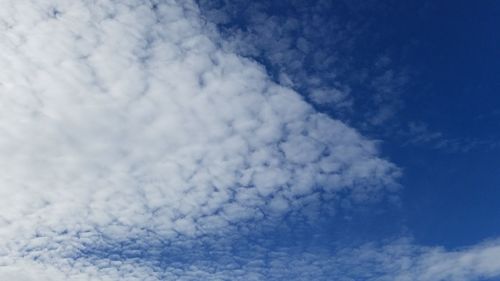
pixel 124 118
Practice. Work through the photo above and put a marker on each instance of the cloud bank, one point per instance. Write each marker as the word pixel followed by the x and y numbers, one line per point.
pixel 121 120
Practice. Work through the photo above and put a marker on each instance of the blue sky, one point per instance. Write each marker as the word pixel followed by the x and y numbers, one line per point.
pixel 237 140
pixel 444 128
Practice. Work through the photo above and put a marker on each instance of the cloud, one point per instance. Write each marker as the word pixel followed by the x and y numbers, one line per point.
pixel 125 120
pixel 400 259
pixel 479 261
pixel 403 260
pixel 419 134
pixel 295 44
pixel 329 51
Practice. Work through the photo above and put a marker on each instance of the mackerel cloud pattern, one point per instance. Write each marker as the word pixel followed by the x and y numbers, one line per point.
pixel 120 119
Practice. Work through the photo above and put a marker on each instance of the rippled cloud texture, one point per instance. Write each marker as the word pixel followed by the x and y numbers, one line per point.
pixel 127 135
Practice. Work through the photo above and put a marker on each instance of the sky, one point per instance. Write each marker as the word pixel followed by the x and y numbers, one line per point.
pixel 249 140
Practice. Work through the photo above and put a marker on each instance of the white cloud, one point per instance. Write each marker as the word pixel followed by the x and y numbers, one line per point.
pixel 396 260
pixel 479 261
pixel 320 48
pixel 419 134
pixel 119 118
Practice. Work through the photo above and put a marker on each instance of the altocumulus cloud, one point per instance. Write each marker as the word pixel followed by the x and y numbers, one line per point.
pixel 125 119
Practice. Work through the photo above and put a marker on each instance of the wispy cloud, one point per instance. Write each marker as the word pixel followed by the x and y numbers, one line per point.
pixel 319 48
pixel 419 134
